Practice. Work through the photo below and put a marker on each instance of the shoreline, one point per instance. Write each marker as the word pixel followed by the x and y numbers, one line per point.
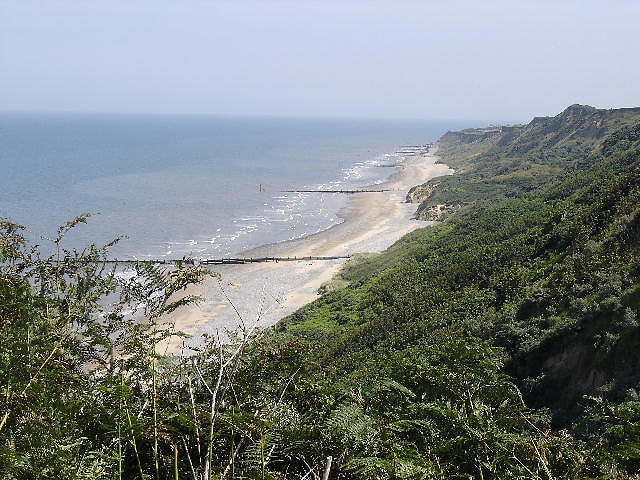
pixel 264 293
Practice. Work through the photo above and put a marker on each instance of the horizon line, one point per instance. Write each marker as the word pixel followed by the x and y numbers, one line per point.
pixel 274 116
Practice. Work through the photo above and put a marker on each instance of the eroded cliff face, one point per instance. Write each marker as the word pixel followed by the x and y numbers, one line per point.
pixel 470 135
pixel 427 212
pixel 420 193
pixel 434 213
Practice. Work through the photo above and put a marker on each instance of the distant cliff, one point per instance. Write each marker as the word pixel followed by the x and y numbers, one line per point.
pixel 500 162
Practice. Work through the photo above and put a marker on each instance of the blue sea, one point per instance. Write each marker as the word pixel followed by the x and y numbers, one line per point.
pixel 200 186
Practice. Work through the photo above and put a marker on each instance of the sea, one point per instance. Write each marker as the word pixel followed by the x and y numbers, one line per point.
pixel 175 186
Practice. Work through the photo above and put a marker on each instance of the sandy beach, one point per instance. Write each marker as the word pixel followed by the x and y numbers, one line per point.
pixel 263 293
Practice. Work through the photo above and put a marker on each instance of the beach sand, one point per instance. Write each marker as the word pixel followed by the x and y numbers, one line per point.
pixel 263 293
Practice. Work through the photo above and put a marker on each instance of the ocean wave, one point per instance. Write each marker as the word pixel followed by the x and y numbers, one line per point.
pixel 286 216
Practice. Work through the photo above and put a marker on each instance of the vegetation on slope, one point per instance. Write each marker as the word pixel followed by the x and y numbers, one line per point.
pixel 500 343
pixel 548 275
pixel 502 162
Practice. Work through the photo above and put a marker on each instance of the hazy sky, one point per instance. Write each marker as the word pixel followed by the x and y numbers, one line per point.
pixel 466 59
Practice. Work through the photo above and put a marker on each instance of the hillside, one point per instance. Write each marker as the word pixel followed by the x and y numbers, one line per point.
pixel 540 259
pixel 544 266
pixel 501 162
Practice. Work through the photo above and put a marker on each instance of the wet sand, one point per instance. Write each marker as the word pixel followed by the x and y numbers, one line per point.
pixel 263 293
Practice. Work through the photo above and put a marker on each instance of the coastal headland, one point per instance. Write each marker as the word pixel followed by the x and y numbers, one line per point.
pixel 263 293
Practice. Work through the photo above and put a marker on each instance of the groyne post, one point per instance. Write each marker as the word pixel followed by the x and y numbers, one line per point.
pixel 327 468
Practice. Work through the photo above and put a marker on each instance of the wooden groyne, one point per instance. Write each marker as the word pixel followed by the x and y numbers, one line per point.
pixel 337 191
pixel 235 261
pixel 230 261
pixel 414 149
pixel 425 146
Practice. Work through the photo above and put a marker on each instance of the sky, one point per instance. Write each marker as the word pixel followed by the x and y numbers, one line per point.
pixel 457 59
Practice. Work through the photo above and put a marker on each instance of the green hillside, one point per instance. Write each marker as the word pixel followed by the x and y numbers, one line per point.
pixel 500 343
pixel 541 262
pixel 499 162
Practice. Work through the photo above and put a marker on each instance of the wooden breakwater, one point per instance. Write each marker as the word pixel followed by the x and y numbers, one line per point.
pixel 414 149
pixel 230 261
pixel 337 191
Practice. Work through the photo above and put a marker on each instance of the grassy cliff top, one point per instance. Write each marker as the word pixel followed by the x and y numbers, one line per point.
pixel 500 162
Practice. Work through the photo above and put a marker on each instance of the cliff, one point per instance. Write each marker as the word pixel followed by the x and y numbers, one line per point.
pixel 536 254
pixel 502 162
